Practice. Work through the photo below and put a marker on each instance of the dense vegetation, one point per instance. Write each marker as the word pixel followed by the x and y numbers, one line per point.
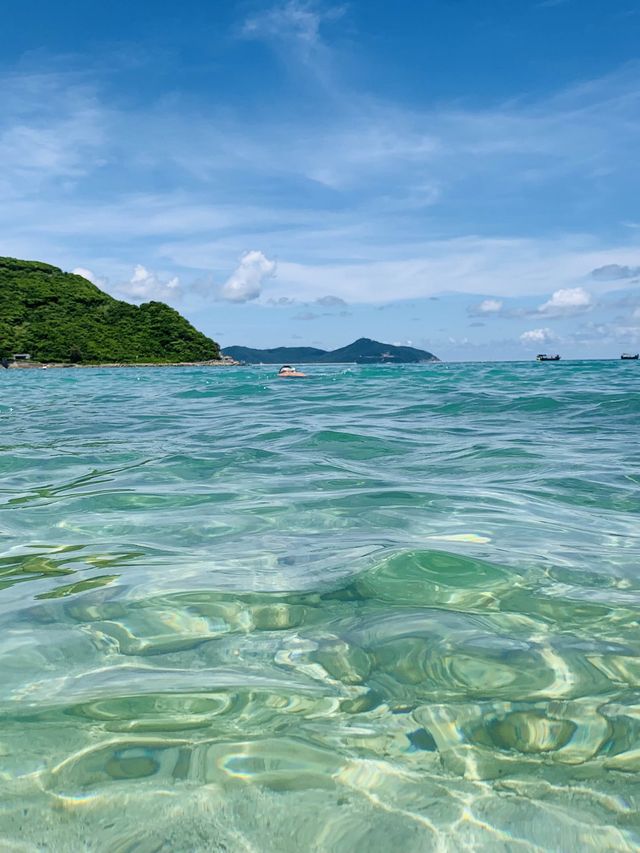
pixel 362 351
pixel 58 316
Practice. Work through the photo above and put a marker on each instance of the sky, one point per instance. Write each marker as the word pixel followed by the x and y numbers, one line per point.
pixel 457 175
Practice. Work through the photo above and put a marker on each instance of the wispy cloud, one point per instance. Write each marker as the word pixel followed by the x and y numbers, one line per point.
pixel 622 331
pixel 295 30
pixel 472 265
pixel 294 20
pixel 52 128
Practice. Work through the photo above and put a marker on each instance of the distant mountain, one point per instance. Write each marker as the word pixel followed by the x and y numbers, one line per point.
pixel 58 316
pixel 362 351
pixel 278 355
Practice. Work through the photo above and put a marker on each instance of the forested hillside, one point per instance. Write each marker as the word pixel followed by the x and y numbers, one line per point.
pixel 58 316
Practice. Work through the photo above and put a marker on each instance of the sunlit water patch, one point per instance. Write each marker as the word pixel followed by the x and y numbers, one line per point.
pixel 380 608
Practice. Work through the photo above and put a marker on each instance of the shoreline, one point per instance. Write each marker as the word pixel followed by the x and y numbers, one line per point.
pixel 57 365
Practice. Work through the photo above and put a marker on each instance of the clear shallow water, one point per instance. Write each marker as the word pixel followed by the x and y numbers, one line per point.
pixel 380 608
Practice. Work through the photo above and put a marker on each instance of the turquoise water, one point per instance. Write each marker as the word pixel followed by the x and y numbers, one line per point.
pixel 379 608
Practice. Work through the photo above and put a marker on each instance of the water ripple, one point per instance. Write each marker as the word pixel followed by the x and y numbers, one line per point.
pixel 381 607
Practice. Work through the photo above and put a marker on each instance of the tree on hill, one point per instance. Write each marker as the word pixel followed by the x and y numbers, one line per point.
pixel 58 316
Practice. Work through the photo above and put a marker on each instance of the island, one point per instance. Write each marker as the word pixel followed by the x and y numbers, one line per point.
pixel 362 351
pixel 51 316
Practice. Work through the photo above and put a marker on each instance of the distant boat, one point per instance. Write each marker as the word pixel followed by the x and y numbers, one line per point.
pixel 544 357
pixel 627 356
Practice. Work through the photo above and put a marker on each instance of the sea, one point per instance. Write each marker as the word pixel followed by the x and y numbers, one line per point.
pixel 381 608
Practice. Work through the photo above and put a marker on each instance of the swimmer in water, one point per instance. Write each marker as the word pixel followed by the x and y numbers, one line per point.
pixel 286 371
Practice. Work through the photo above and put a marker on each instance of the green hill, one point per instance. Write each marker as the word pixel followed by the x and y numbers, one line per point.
pixel 362 351
pixel 58 316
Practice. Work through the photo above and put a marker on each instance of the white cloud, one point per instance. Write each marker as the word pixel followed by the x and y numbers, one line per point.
pixel 90 276
pixel 144 285
pixel 537 336
pixel 245 284
pixel 81 271
pixel 488 306
pixel 567 300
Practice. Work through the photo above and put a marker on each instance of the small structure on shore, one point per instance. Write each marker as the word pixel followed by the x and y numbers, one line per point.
pixel 21 356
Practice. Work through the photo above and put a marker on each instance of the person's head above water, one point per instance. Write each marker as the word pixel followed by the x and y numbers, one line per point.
pixel 287 370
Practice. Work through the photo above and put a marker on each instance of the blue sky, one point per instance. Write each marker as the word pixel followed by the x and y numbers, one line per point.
pixel 458 174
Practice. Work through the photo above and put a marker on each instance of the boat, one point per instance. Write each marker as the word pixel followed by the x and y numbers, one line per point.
pixel 542 356
pixel 627 356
